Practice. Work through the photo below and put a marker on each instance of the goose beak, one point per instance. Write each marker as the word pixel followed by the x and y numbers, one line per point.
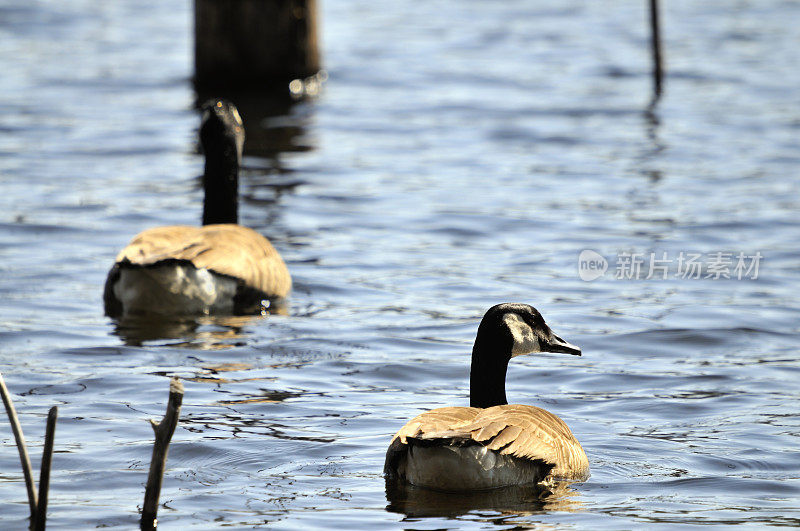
pixel 556 344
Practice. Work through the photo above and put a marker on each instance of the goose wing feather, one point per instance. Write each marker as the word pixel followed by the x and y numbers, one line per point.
pixel 226 249
pixel 436 421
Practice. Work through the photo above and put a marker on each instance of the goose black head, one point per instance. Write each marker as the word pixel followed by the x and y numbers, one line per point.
pixel 222 139
pixel 221 129
pixel 508 330
pixel 526 328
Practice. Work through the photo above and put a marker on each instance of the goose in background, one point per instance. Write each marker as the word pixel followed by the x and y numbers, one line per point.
pixel 219 268
pixel 491 443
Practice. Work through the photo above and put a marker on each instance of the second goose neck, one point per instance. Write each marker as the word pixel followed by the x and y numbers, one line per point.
pixel 221 185
pixel 487 383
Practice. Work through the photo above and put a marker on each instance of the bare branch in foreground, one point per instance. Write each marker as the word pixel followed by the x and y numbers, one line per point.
pixel 163 432
pixel 44 474
pixel 23 450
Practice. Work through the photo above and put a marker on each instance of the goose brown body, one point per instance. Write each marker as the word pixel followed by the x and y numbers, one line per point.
pixel 469 448
pixel 516 430
pixel 230 253
pixel 225 248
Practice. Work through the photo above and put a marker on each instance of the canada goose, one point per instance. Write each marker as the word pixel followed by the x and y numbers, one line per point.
pixel 220 267
pixel 491 443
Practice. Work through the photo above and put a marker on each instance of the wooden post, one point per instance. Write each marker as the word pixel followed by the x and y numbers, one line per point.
pixel 655 42
pixel 23 450
pixel 44 473
pixel 255 44
pixel 163 432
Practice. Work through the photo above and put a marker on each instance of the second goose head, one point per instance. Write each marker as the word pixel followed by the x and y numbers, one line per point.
pixel 222 140
pixel 507 330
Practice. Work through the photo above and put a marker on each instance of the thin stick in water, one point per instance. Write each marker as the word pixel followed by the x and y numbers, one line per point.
pixel 23 450
pixel 163 432
pixel 656 46
pixel 44 473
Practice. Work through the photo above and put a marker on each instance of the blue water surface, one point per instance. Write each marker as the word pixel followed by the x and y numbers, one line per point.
pixel 461 154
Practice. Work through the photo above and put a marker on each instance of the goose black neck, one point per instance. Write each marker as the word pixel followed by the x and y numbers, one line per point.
pixel 221 184
pixel 487 378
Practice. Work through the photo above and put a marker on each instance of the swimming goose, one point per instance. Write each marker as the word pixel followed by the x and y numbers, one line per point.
pixel 220 267
pixel 491 443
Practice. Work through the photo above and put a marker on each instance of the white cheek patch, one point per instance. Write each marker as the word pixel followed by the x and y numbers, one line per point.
pixel 525 340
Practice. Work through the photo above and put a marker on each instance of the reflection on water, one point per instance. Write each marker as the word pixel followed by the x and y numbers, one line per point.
pixel 417 502
pixel 206 332
pixel 266 396
pixel 234 424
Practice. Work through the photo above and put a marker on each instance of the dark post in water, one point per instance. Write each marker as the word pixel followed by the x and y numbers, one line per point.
pixel 242 44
